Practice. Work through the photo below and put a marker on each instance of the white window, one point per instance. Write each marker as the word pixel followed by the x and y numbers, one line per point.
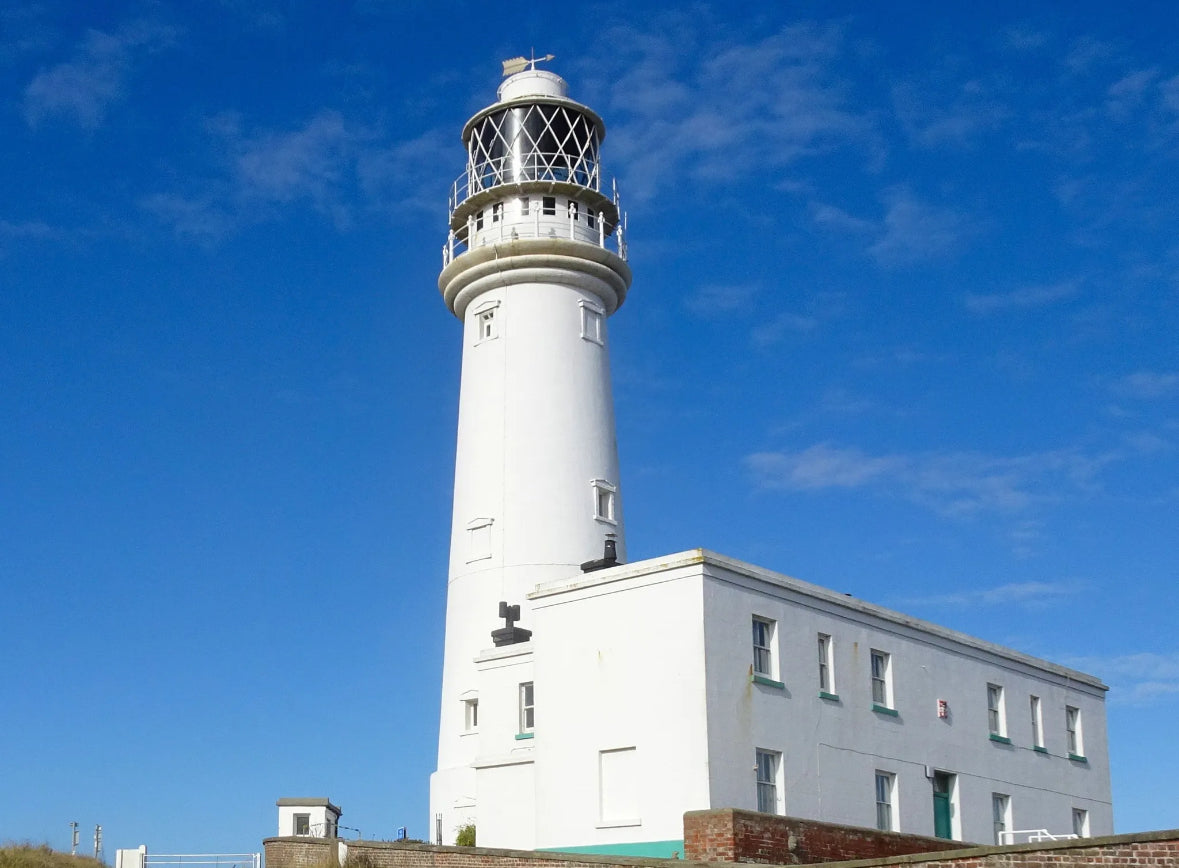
pixel 523 206
pixel 470 715
pixel 826 671
pixel 302 824
pixel 479 539
pixel 1001 815
pixel 487 322
pixel 592 323
pixel 497 212
pixel 1080 822
pixel 527 708
pixel 881 678
pixel 1037 722
pixel 618 787
pixel 768 768
pixel 763 647
pixel 1072 727
pixel 884 790
pixel 996 714
pixel 605 501
pixel 548 205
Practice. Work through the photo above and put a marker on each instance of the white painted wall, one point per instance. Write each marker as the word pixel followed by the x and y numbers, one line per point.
pixel 322 815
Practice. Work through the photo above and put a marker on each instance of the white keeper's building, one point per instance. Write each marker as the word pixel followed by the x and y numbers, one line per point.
pixel 615 696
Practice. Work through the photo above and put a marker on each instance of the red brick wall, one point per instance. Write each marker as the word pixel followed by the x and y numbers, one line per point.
pixel 315 853
pixel 730 835
pixel 1142 849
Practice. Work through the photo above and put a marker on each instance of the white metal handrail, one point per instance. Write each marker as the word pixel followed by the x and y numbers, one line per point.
pixel 570 226
pixel 533 166
pixel 225 860
pixel 1035 836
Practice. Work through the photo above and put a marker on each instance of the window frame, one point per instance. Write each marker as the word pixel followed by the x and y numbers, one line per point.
pixel 882 698
pixel 487 321
pixel 767 766
pixel 1074 732
pixel 1036 709
pixel 471 714
pixel 765 655
pixel 548 206
pixel 1081 822
pixel 527 707
pixel 301 825
pixel 1001 816
pixel 996 711
pixel 826 664
pixel 885 797
pixel 605 494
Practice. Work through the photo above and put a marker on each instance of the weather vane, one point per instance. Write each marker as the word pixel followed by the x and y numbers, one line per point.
pixel 518 64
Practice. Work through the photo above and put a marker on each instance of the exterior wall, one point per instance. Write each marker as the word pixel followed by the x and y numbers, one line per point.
pixel 1145 849
pixel 831 748
pixel 322 818
pixel 728 835
pixel 620 668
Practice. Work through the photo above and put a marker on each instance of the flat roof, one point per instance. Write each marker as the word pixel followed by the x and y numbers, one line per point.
pixel 705 558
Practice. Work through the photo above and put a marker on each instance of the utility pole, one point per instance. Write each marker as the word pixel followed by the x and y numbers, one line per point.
pixel 73 839
pixel 98 843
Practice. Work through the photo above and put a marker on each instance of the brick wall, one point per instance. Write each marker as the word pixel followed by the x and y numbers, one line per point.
pixel 730 835
pixel 316 853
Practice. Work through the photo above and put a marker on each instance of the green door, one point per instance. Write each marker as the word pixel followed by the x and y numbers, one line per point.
pixel 942 826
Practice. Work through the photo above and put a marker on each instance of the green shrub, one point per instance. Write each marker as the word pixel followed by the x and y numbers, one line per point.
pixel 465 836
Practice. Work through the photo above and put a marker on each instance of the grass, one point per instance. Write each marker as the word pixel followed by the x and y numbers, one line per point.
pixel 41 856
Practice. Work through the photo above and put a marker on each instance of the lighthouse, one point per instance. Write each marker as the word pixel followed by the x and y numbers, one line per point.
pixel 533 266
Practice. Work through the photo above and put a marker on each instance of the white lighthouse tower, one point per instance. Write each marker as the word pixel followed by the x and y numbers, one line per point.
pixel 533 266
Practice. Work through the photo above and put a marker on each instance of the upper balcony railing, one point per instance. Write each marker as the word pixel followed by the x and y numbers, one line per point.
pixel 520 168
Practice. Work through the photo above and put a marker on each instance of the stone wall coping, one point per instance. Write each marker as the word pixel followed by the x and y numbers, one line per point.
pixel 975 852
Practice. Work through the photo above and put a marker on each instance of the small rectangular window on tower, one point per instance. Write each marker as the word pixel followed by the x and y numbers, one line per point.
pixel 523 206
pixel 486 322
pixel 548 205
pixel 591 219
pixel 527 708
pixel 470 715
pixel 497 212
pixel 605 501
pixel 592 323
pixel 479 219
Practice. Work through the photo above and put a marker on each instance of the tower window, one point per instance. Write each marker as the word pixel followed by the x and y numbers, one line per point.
pixel 527 708
pixel 605 501
pixel 497 212
pixel 470 715
pixel 592 323
pixel 591 219
pixel 479 220
pixel 523 206
pixel 548 205
pixel 486 322
pixel 479 539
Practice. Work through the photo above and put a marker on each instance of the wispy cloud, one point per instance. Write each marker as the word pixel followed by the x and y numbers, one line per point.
pixel 1144 678
pixel 958 121
pixel 83 88
pixel 1019 299
pixel 725 110
pixel 1148 384
pixel 952 483
pixel 716 299
pixel 1022 594
pixel 332 164
pixel 915 231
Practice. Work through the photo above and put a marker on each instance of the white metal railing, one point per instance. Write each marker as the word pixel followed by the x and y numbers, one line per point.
pixel 532 166
pixel 574 225
pixel 217 860
pixel 1035 836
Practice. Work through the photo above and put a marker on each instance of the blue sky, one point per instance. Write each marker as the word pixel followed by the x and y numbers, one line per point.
pixel 903 324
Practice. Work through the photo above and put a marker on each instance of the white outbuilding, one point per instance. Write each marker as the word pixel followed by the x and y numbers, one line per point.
pixel 587 703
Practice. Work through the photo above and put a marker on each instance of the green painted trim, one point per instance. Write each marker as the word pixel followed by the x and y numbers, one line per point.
pixel 884 709
pixel 768 682
pixel 651 849
pixel 1040 749
pixel 1002 739
pixel 1077 758
pixel 834 697
pixel 521 735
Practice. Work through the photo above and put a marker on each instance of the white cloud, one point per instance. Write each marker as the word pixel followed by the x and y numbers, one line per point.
pixel 1022 594
pixel 715 298
pixel 1148 384
pixel 914 230
pixel 952 483
pixel 84 87
pixel 1019 299
pixel 781 325
pixel 1144 678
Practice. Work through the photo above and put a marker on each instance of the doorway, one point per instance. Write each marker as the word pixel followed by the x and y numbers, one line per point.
pixel 943 805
